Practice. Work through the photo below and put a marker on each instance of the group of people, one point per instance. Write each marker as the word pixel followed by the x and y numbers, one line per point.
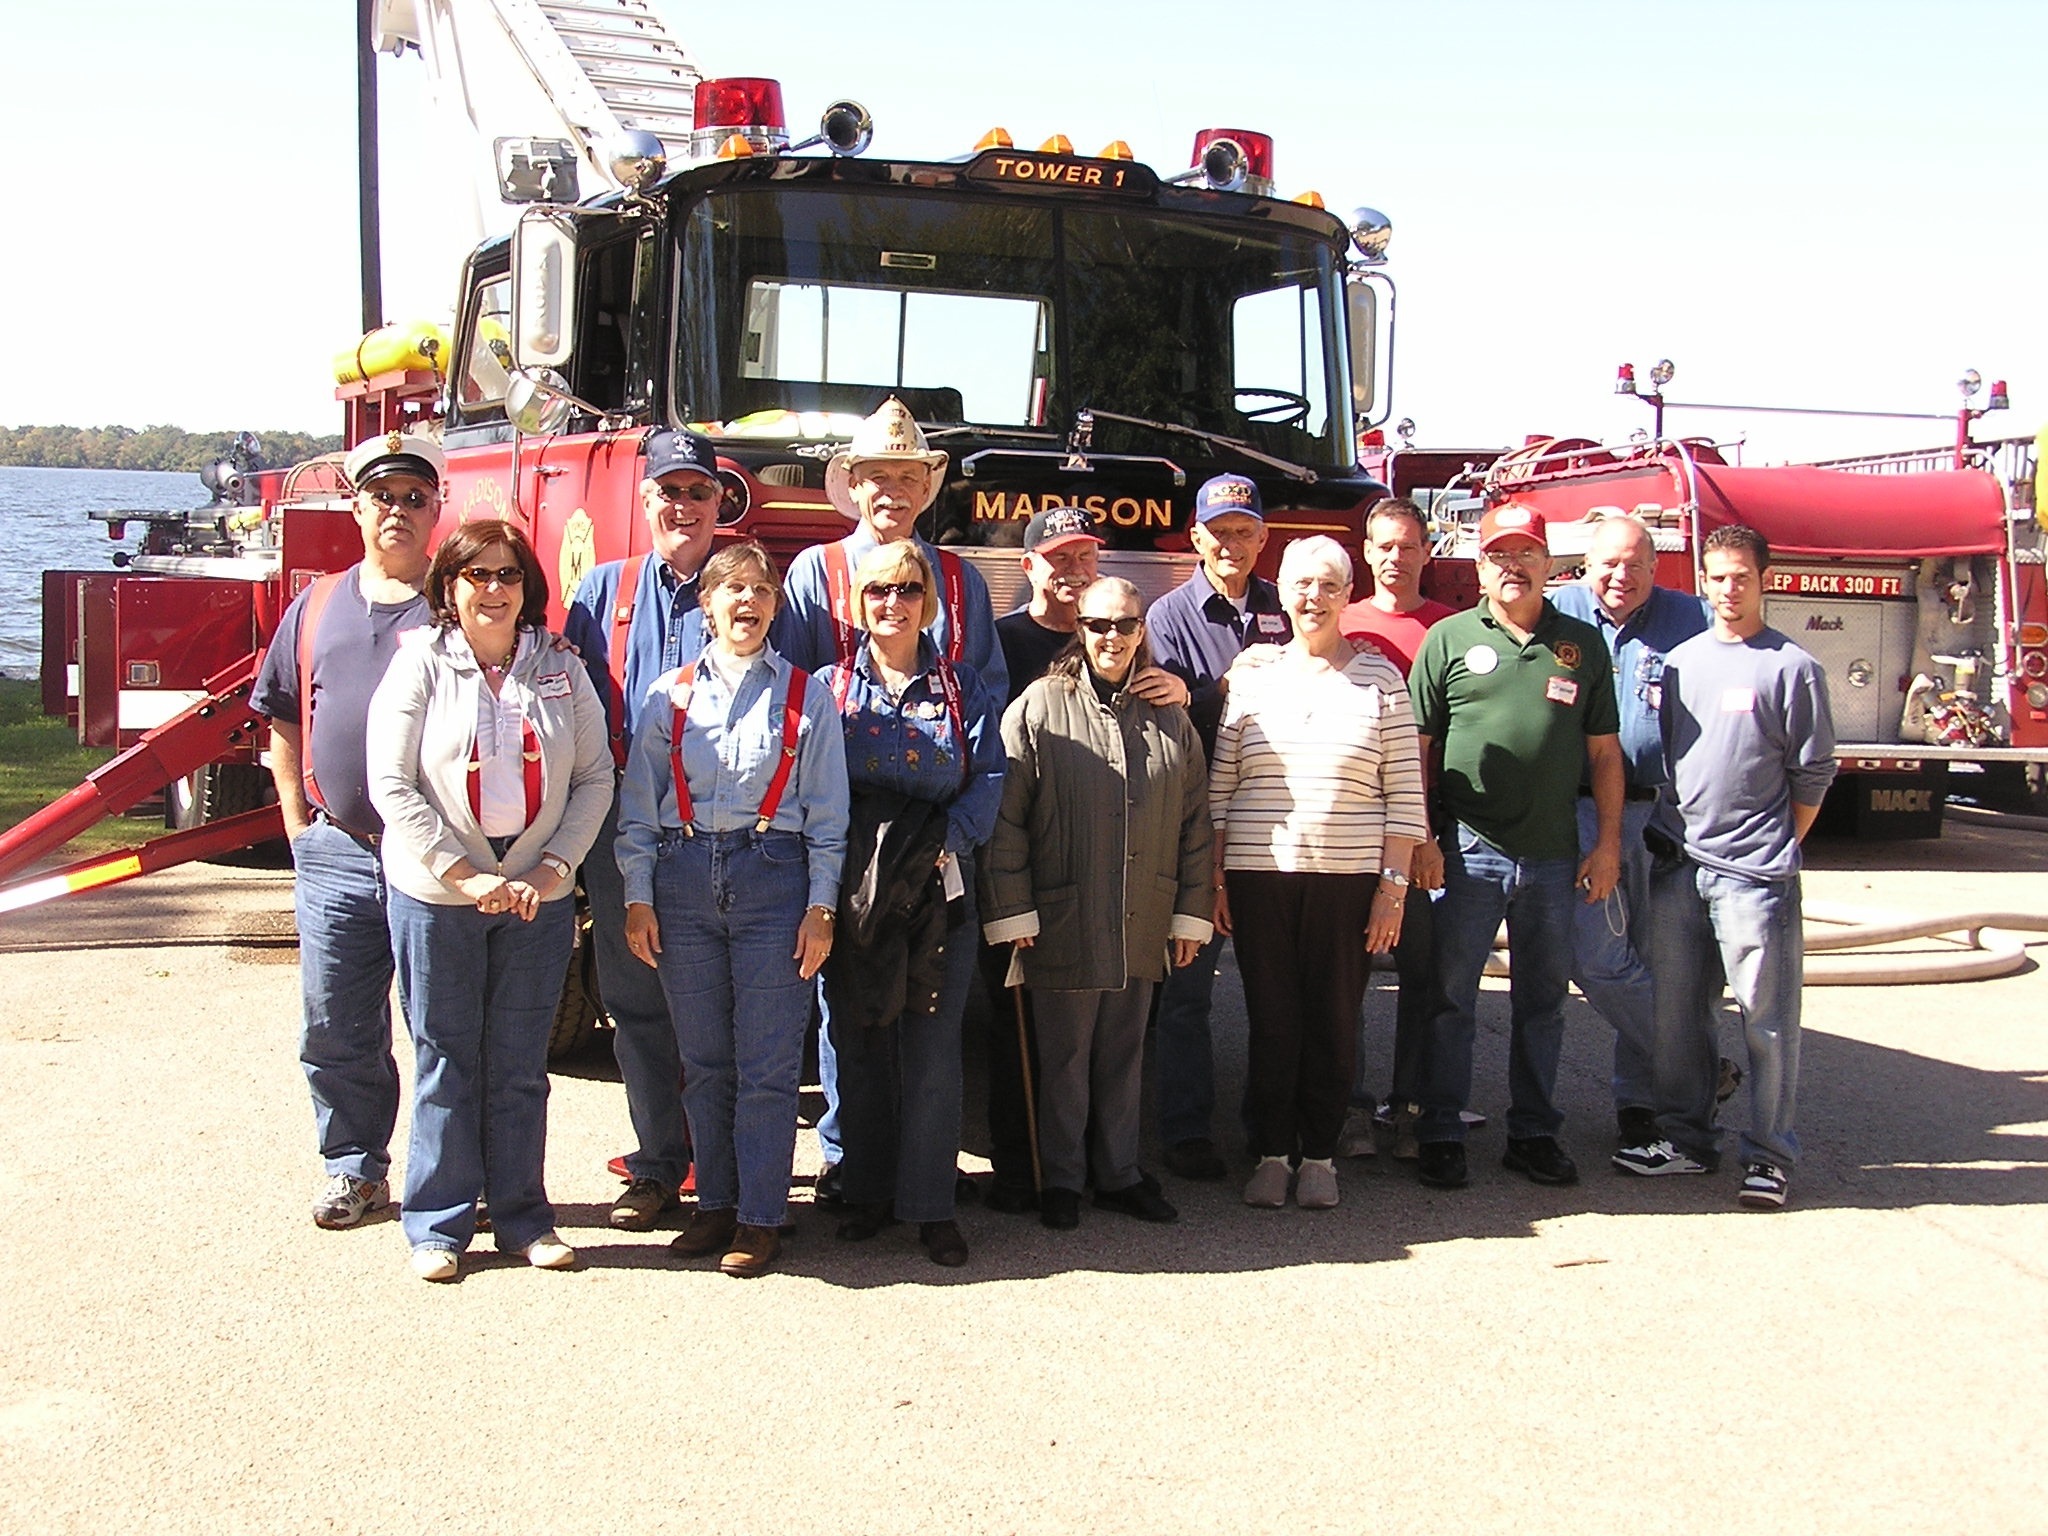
pixel 836 793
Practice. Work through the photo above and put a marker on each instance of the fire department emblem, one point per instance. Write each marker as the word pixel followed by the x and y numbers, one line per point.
pixel 1567 654
pixel 394 441
pixel 579 552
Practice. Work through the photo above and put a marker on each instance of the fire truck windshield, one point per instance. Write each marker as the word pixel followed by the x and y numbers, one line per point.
pixel 1008 315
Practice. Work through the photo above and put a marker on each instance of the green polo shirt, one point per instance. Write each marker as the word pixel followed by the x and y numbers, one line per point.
pixel 1513 718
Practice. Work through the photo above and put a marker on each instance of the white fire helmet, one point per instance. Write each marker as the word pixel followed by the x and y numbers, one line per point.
pixel 890 434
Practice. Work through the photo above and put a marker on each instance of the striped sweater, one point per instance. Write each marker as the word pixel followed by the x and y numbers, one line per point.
pixel 1315 768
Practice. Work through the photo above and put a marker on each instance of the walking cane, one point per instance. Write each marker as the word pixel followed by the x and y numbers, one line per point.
pixel 1030 1097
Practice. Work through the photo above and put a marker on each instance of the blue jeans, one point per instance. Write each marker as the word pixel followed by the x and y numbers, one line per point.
pixel 1710 927
pixel 643 1039
pixel 728 905
pixel 961 963
pixel 1184 1049
pixel 1609 939
pixel 1481 886
pixel 345 988
pixel 480 992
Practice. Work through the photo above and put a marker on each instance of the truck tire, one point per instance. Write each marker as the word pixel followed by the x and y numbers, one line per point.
pixel 216 791
pixel 577 1011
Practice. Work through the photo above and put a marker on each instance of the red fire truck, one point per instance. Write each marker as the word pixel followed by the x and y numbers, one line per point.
pixel 1916 579
pixel 1069 328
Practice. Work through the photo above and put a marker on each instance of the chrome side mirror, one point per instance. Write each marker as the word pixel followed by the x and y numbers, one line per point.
pixel 543 289
pixel 540 404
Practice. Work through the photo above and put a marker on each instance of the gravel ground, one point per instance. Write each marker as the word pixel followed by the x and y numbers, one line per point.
pixel 186 1352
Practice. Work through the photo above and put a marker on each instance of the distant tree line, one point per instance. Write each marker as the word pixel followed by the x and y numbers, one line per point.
pixel 167 448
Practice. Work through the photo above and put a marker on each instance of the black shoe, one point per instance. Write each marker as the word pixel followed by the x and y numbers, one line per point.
pixel 1009 1199
pixel 1637 1127
pixel 943 1243
pixel 1196 1159
pixel 1137 1200
pixel 1060 1209
pixel 1541 1158
pixel 828 1190
pixel 1441 1164
pixel 866 1221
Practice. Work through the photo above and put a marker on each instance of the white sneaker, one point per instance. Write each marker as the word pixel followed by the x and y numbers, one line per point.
pixel 436 1264
pixel 1357 1139
pixel 1316 1187
pixel 1267 1187
pixel 549 1252
pixel 1656 1159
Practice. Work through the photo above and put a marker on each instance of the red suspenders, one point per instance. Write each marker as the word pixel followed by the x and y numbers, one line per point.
pixel 309 626
pixel 615 656
pixel 529 752
pixel 839 595
pixel 771 802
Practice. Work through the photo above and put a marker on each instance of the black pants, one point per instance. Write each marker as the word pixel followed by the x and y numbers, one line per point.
pixel 1301 950
pixel 1009 1128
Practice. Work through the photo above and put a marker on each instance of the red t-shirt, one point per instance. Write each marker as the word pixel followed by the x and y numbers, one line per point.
pixel 1399 635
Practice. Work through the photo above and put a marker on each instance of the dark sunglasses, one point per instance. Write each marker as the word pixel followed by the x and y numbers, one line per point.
pixel 412 501
pixel 909 591
pixel 689 490
pixel 484 575
pixel 1124 627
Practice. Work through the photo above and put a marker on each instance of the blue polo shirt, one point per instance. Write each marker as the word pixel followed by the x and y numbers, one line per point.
pixel 1638 648
pixel 666 630
pixel 1196 633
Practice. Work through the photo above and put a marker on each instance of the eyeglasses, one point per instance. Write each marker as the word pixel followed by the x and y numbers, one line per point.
pixel 882 591
pixel 1514 559
pixel 412 501
pixel 1124 627
pixel 690 490
pixel 484 575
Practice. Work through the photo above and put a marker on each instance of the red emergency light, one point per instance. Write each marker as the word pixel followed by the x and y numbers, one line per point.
pixel 1235 159
pixel 748 106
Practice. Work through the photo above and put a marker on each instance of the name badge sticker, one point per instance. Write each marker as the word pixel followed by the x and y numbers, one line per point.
pixel 1738 701
pixel 1561 690
pixel 1656 692
pixel 1271 623
pixel 1481 659
pixel 554 685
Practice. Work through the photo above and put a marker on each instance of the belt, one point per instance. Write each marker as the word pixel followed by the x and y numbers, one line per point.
pixel 367 839
pixel 1631 793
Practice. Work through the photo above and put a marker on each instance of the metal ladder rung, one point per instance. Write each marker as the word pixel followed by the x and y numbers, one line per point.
pixel 628 72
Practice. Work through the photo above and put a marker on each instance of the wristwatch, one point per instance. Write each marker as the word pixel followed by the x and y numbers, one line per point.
pixel 558 864
pixel 1395 877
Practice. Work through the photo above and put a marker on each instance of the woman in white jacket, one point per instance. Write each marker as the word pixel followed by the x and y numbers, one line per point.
pixel 489 763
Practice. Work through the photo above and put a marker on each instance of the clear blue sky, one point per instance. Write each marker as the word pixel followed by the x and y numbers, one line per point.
pixel 1801 202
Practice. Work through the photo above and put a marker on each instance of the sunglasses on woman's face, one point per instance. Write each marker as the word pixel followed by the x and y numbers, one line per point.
pixel 484 575
pixel 1124 627
pixel 412 501
pixel 882 591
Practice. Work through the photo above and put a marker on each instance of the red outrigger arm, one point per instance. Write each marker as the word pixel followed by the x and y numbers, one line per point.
pixel 207 731
pixel 209 841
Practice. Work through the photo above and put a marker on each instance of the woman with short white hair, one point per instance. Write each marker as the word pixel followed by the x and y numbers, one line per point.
pixel 1316 798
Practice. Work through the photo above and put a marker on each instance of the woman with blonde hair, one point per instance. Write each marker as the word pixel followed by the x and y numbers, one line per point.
pixel 1316 793
pixel 924 759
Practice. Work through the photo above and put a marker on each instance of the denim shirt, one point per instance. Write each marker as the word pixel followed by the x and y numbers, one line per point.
pixel 730 752
pixel 805 632
pixel 1639 648
pixel 907 744
pixel 665 632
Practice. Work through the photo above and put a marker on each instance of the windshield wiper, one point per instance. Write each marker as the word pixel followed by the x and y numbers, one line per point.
pixel 1087 416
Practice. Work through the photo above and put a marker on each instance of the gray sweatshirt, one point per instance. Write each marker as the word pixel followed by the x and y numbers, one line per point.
pixel 1747 732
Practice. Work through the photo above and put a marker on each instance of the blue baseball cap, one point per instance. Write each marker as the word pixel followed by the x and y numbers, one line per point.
pixel 669 451
pixel 1228 493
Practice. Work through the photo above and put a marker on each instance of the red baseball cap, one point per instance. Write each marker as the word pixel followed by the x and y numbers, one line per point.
pixel 1512 522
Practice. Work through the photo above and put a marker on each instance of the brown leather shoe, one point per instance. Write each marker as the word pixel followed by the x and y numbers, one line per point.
pixel 706 1232
pixel 753 1250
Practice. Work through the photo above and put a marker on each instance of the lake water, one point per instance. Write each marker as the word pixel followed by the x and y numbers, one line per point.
pixel 43 519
